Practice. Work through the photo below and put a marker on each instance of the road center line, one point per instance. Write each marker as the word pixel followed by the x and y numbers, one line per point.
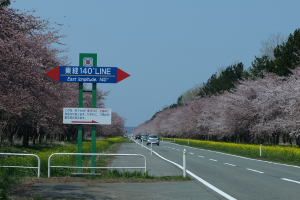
pixel 212 160
pixel 191 153
pixel 285 179
pixel 255 170
pixel 229 164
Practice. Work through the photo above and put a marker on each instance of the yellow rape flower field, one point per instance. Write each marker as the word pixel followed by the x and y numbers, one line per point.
pixel 283 154
pixel 63 160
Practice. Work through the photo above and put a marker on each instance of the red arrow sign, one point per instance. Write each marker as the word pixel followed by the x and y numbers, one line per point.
pixel 121 75
pixel 94 122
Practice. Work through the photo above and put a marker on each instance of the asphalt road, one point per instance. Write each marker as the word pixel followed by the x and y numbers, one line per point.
pixel 241 178
pixel 164 190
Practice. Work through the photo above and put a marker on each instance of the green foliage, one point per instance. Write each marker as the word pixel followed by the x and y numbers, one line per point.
pixel 5 3
pixel 123 175
pixel 3 195
pixel 258 68
pixel 224 82
pixel 286 56
pixel 6 183
pixel 57 160
pixel 117 174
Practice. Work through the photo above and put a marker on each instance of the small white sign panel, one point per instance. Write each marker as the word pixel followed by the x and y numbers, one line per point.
pixel 94 116
pixel 88 61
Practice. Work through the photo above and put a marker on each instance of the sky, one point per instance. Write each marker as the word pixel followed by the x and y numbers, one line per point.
pixel 167 46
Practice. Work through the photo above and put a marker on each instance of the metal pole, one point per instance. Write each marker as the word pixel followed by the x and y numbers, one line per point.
pixel 260 150
pixel 189 142
pixel 142 142
pixel 151 148
pixel 184 166
pixel 80 105
pixel 94 105
pixel 174 140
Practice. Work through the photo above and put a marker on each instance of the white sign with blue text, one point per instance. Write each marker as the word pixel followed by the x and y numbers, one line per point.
pixel 95 116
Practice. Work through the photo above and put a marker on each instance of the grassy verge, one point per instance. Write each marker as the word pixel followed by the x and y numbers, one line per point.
pixel 11 176
pixel 281 154
pixel 136 175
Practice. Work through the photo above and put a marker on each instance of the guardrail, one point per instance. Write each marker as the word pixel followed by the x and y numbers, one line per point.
pixel 93 154
pixel 21 154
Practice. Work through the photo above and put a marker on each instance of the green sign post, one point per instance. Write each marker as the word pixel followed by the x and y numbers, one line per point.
pixel 87 60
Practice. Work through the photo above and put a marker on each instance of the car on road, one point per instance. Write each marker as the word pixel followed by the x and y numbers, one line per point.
pixel 138 136
pixel 154 139
pixel 144 137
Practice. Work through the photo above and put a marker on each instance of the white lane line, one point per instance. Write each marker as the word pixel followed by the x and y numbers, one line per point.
pixel 255 170
pixel 285 179
pixel 200 156
pixel 212 160
pixel 229 164
pixel 178 149
pixel 191 153
pixel 247 158
pixel 227 196
pixel 173 148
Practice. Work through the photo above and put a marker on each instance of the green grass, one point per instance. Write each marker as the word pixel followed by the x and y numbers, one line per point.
pixel 11 176
pixel 117 174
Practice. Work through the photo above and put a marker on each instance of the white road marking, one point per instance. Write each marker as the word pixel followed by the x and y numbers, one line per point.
pixel 255 170
pixel 212 160
pixel 290 180
pixel 191 153
pixel 229 164
pixel 200 156
pixel 248 158
pixel 173 148
pixel 178 149
pixel 227 196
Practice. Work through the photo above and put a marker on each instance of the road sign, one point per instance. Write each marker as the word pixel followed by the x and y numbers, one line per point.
pixel 75 74
pixel 95 116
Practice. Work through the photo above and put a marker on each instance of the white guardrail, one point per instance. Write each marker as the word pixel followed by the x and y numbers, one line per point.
pixel 93 154
pixel 21 154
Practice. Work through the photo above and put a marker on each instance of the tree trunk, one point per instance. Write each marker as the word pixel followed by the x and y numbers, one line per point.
pixel 40 138
pixel 25 139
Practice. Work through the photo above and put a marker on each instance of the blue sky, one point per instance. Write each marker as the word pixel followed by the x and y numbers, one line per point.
pixel 167 46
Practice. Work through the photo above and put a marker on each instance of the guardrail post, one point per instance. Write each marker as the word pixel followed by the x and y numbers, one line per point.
pixel 21 154
pixel 92 154
pixel 184 166
pixel 260 150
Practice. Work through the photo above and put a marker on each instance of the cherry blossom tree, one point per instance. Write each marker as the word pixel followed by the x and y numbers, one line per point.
pixel 31 102
pixel 260 110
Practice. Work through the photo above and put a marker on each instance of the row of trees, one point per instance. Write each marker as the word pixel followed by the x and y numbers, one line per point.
pixel 31 102
pixel 260 104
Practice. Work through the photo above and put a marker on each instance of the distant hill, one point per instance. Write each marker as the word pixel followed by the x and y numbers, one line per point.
pixel 129 129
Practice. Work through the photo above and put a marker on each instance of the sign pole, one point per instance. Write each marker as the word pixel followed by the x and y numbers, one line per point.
pixel 80 105
pixel 94 105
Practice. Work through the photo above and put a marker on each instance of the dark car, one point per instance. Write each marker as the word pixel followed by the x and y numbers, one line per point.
pixel 138 136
